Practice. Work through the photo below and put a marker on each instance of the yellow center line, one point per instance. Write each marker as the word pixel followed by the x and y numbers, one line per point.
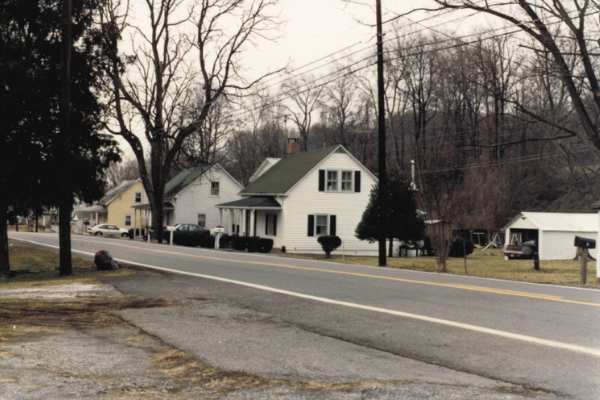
pixel 454 286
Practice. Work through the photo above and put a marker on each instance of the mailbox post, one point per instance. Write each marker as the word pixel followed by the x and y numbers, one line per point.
pixel 584 244
pixel 218 231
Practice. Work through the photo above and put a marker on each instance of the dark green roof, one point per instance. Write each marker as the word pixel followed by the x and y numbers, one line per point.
pixel 183 179
pixel 287 172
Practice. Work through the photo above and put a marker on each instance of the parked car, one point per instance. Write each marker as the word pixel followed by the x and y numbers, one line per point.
pixel 107 230
pixel 526 249
pixel 186 234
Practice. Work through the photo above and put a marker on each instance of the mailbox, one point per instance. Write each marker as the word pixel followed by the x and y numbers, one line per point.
pixel 585 243
pixel 218 229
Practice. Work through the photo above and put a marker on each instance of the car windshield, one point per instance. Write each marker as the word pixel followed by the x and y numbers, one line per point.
pixel 194 228
pixel 529 243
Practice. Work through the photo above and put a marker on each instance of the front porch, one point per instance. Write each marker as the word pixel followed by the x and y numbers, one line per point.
pixel 243 214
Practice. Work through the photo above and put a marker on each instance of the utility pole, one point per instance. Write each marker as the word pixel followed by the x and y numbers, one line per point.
pixel 382 163
pixel 66 194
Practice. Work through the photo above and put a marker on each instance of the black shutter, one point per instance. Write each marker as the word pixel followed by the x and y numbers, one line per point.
pixel 266 224
pixel 311 225
pixel 274 224
pixel 357 181
pixel 321 180
pixel 332 223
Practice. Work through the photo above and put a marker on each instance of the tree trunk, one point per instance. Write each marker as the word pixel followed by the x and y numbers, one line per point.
pixel 391 248
pixel 66 197
pixel 4 260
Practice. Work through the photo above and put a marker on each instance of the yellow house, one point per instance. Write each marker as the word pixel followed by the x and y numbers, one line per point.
pixel 116 207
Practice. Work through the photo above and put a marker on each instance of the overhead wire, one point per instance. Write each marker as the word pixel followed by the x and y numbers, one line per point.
pixel 285 96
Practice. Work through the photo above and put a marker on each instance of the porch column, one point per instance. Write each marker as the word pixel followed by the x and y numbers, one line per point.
pixel 251 233
pixel 230 222
pixel 220 217
pixel 598 252
pixel 243 229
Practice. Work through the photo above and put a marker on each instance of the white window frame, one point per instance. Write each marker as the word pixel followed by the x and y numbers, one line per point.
pixel 336 181
pixel 198 220
pixel 317 225
pixel 130 220
pixel 135 197
pixel 212 189
pixel 350 182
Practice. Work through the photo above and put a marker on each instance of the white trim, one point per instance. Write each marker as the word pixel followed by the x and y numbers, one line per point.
pixel 336 180
pixel 316 167
pixel 217 181
pixel 352 174
pixel 125 221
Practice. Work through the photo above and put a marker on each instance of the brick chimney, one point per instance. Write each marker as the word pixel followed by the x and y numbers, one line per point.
pixel 292 146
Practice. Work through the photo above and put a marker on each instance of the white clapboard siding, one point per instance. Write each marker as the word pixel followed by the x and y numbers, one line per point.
pixel 196 199
pixel 348 207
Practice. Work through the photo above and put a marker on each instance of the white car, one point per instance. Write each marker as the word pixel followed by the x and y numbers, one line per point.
pixel 108 230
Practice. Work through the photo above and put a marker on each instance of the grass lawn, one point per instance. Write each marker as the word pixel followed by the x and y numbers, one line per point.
pixel 490 264
pixel 34 267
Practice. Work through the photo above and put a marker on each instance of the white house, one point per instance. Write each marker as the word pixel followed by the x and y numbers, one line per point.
pixel 303 196
pixel 191 196
pixel 555 232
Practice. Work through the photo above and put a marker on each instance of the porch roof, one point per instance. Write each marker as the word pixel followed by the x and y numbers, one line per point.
pixel 96 208
pixel 253 202
pixel 167 206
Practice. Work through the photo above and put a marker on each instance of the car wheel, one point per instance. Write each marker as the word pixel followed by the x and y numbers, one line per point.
pixel 98 233
pixel 125 235
pixel 511 256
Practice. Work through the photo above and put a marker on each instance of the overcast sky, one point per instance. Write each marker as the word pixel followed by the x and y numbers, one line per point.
pixel 319 28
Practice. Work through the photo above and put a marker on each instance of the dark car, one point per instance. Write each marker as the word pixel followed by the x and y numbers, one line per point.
pixel 521 250
pixel 186 234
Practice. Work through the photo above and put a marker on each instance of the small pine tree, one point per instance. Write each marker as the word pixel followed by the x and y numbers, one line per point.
pixel 403 220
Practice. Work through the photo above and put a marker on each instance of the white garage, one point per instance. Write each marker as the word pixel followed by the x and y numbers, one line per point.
pixel 554 232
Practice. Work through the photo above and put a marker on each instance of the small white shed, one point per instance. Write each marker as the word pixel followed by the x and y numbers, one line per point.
pixel 554 232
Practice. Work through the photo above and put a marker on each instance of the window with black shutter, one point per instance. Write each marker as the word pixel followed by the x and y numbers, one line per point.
pixel 357 181
pixel 332 225
pixel 311 225
pixel 321 180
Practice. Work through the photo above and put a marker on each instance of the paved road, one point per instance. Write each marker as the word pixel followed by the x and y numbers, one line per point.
pixel 537 336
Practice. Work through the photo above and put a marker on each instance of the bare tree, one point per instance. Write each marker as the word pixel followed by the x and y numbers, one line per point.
pixel 206 143
pixel 118 172
pixel 535 19
pixel 159 74
pixel 263 136
pixel 339 110
pixel 306 97
pixel 440 185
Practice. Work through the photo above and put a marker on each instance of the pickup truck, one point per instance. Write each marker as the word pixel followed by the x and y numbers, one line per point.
pixel 521 250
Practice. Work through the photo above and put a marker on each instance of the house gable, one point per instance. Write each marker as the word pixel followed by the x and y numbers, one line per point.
pixel 120 211
pixel 194 176
pixel 265 166
pixel 280 178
